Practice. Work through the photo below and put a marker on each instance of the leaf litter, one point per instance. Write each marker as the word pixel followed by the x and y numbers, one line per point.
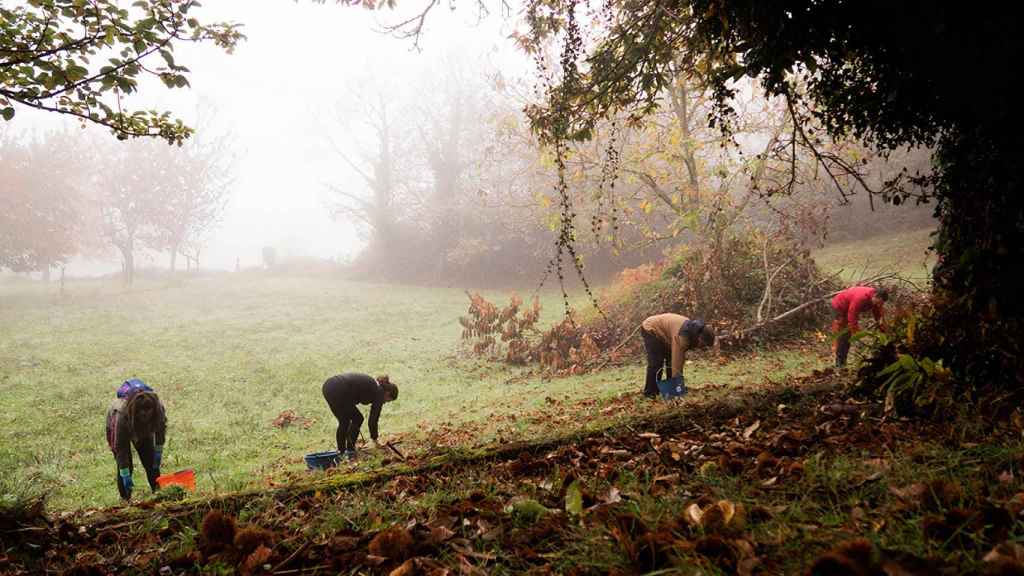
pixel 739 487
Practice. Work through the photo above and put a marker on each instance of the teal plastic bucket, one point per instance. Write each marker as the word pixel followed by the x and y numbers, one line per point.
pixel 672 388
pixel 323 460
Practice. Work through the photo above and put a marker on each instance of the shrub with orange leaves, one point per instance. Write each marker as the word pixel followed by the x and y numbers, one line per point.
pixel 485 324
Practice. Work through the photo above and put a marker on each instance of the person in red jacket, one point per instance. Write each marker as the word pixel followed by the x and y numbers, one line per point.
pixel 848 305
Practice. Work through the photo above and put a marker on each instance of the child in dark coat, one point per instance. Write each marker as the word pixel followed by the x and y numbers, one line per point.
pixel 136 418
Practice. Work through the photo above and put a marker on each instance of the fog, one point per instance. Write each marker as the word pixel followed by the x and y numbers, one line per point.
pixel 299 63
pixel 331 140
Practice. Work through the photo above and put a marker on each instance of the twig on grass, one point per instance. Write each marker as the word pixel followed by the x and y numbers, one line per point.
pixel 290 557
pixel 395 450
pixel 611 354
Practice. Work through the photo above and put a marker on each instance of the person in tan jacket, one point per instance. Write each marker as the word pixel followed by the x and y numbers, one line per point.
pixel 667 337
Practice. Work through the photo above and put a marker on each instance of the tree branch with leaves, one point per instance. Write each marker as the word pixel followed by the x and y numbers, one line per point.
pixel 83 58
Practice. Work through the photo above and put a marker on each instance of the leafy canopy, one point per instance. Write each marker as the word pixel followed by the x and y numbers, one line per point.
pixel 82 57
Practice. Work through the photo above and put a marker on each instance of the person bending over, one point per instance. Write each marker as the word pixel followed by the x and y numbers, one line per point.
pixel 847 306
pixel 136 418
pixel 667 338
pixel 343 392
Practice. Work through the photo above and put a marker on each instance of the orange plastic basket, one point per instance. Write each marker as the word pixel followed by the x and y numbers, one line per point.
pixel 184 478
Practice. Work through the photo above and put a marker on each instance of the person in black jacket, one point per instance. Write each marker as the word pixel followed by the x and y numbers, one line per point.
pixel 343 392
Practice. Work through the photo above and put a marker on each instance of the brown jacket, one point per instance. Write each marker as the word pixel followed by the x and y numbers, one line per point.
pixel 666 327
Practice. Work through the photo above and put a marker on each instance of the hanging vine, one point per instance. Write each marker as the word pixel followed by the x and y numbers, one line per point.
pixel 559 137
pixel 609 174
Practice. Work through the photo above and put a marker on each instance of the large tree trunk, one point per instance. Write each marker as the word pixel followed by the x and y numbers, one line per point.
pixel 174 257
pixel 981 213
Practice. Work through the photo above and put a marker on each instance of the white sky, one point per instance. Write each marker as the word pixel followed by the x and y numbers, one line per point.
pixel 273 93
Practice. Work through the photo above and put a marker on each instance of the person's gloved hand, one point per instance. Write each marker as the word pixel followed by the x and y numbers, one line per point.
pixel 126 480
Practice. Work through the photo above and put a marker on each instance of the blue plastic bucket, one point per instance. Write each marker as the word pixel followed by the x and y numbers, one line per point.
pixel 323 460
pixel 672 388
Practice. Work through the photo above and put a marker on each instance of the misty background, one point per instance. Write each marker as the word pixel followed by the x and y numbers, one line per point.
pixel 275 96
pixel 335 142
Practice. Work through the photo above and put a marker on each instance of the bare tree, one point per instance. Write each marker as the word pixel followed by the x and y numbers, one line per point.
pixel 134 180
pixel 197 190
pixel 451 137
pixel 374 207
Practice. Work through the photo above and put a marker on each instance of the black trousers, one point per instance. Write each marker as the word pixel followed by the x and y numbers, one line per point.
pixel 659 358
pixel 146 448
pixel 350 419
pixel 842 347
pixel 841 330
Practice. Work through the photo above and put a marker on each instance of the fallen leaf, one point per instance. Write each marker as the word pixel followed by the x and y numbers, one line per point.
pixel 912 492
pixel 668 479
pixel 439 534
pixel 841 409
pixel 613 496
pixel 874 477
pixel 256 560
pixel 877 463
pixel 395 543
pixel 749 430
pixel 692 515
pixel 1005 552
pixel 466 551
pixel 526 508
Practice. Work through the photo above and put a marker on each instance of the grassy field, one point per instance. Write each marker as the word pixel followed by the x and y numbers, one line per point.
pixel 905 253
pixel 228 353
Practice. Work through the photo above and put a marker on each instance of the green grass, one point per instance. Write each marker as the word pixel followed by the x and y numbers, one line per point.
pixel 905 253
pixel 228 353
